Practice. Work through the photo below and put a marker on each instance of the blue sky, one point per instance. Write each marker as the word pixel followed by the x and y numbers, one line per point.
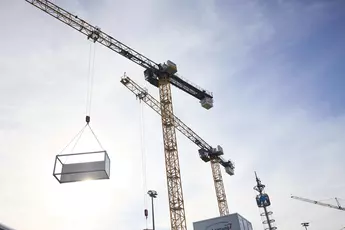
pixel 276 71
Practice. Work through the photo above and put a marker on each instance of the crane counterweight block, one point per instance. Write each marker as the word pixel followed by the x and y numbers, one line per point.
pixel 203 154
pixel 228 165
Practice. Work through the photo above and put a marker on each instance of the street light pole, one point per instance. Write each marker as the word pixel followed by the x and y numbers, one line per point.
pixel 152 194
pixel 153 214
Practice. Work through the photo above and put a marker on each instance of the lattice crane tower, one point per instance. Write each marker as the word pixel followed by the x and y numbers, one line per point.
pixel 206 152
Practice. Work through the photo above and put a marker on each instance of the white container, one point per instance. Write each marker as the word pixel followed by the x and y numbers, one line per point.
pixel 229 222
pixel 82 166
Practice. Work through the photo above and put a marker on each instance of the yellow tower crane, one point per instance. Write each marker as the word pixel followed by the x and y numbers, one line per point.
pixel 206 151
pixel 159 75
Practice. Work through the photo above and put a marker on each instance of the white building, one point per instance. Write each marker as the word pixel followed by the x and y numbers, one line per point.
pixel 229 222
pixel 4 227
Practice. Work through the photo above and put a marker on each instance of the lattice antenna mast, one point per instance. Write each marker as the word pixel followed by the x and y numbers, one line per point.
pixel 263 201
pixel 159 75
pixel 206 152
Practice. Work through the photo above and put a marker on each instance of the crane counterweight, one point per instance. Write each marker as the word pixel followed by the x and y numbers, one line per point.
pixel 207 102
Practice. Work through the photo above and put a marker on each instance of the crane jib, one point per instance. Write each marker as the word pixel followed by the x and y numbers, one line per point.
pixel 87 29
pixel 108 41
pixel 143 95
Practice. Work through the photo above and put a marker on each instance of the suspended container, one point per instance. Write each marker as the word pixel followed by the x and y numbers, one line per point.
pixel 82 166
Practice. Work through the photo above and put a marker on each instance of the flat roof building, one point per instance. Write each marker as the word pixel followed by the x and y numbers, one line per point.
pixel 4 227
pixel 229 222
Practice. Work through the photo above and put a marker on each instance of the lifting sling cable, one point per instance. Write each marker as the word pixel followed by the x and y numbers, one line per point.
pixel 90 77
pixel 76 136
pixel 143 157
pixel 99 143
pixel 90 74
pixel 80 134
pixel 91 71
pixel 143 152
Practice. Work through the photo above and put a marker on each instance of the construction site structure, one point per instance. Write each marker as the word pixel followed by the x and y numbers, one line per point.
pixel 159 75
pixel 338 206
pixel 4 227
pixel 232 221
pixel 263 201
pixel 206 152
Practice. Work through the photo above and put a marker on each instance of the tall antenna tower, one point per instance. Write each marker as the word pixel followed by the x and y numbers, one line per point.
pixel 263 201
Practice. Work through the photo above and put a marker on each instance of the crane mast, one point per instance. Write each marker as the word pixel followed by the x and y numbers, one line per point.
pixel 339 207
pixel 159 75
pixel 219 187
pixel 172 166
pixel 207 152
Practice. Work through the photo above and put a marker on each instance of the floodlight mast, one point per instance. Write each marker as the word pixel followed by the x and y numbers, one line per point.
pixel 152 194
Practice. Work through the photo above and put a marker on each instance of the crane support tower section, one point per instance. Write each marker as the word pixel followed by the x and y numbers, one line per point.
pixel 172 166
pixel 206 152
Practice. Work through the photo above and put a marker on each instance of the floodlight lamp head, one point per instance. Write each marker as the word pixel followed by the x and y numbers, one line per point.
pixel 152 193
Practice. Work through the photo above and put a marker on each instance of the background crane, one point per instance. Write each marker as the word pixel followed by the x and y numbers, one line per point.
pixel 206 151
pixel 338 206
pixel 159 75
